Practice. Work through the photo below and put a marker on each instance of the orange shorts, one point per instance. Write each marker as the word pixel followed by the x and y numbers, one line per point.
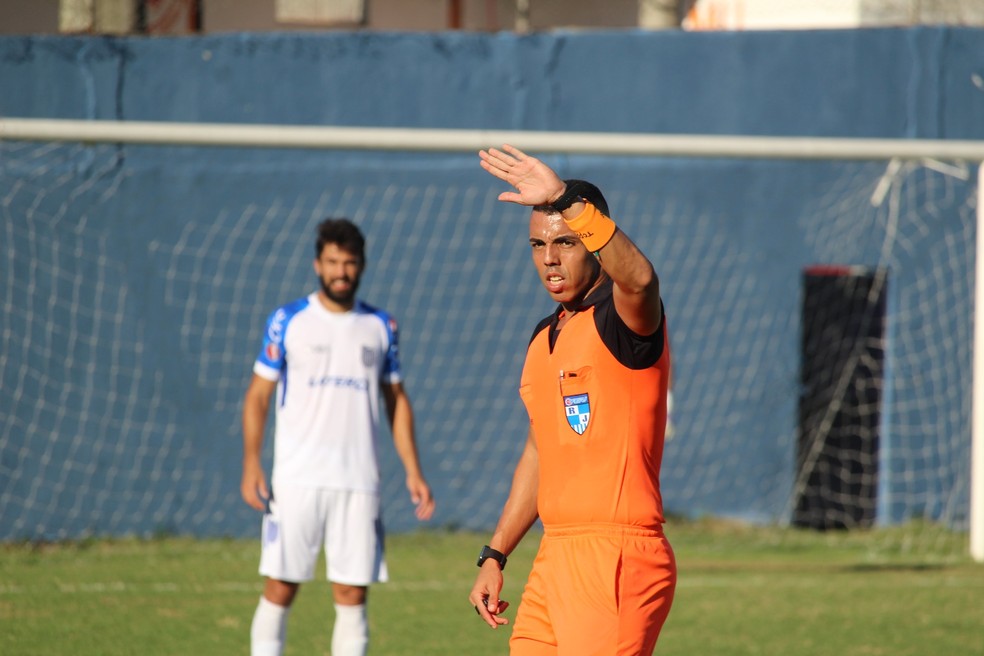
pixel 596 590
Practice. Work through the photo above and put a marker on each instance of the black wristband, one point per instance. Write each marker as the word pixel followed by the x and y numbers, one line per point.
pixel 489 552
pixel 570 196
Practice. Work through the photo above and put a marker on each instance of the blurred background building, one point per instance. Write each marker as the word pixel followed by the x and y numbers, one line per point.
pixel 210 16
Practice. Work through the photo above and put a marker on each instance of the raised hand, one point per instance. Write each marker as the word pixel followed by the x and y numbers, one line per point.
pixel 535 182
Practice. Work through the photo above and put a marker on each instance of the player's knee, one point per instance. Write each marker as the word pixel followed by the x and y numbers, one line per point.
pixel 349 595
pixel 281 593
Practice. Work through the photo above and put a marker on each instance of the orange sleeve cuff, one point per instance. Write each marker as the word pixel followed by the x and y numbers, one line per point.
pixel 593 228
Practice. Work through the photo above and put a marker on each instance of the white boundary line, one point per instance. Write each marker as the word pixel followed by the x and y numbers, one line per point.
pixel 785 579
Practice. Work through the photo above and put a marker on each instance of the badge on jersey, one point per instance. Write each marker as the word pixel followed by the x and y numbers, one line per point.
pixel 578 412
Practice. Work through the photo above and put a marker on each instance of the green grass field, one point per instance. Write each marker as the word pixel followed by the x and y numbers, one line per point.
pixel 742 590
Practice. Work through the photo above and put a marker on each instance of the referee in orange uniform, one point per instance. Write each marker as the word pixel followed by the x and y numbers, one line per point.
pixel 595 387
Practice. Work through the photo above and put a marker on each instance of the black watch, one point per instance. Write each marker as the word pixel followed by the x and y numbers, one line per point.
pixel 489 552
pixel 571 195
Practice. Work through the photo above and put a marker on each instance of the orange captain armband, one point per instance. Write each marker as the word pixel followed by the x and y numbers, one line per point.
pixel 593 228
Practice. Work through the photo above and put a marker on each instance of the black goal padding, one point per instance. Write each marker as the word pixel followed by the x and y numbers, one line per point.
pixel 841 378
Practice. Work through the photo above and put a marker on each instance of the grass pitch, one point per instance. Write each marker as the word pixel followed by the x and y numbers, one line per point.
pixel 742 591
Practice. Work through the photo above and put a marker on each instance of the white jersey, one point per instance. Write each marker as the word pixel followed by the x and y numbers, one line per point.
pixel 328 367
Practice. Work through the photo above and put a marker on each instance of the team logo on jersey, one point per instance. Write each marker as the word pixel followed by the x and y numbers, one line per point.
pixel 368 357
pixel 272 352
pixel 277 323
pixel 578 412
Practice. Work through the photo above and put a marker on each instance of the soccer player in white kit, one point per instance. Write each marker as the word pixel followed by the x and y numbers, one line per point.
pixel 325 361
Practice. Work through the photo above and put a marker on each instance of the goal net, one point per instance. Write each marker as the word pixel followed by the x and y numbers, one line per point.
pixel 135 279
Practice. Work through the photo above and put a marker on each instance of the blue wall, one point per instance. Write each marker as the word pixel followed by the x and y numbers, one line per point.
pixel 136 279
pixel 865 83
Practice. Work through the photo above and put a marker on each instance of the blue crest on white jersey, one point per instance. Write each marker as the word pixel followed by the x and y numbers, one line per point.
pixel 578 412
pixel 368 357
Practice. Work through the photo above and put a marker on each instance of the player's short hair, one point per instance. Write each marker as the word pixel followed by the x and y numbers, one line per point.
pixel 588 192
pixel 344 234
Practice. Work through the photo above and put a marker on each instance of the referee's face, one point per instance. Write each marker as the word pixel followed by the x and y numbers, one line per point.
pixel 566 268
pixel 339 272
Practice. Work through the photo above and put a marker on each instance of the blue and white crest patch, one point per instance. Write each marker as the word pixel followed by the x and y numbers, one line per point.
pixel 368 357
pixel 578 412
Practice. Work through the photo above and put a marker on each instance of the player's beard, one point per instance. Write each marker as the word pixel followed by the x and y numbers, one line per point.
pixel 342 298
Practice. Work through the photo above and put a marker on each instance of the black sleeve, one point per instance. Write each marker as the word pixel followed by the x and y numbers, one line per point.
pixel 632 350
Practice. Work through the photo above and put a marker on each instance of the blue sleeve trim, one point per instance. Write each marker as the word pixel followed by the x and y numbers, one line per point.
pixel 273 354
pixel 390 372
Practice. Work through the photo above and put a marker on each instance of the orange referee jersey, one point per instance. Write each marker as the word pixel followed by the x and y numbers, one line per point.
pixel 597 405
pixel 603 579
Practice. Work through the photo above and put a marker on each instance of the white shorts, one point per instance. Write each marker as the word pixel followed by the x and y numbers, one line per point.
pixel 346 523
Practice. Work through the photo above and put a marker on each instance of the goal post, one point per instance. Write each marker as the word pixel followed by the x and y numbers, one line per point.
pixel 977 440
pixel 935 155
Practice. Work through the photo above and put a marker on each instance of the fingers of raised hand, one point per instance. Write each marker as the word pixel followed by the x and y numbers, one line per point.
pixel 514 152
pixel 505 159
